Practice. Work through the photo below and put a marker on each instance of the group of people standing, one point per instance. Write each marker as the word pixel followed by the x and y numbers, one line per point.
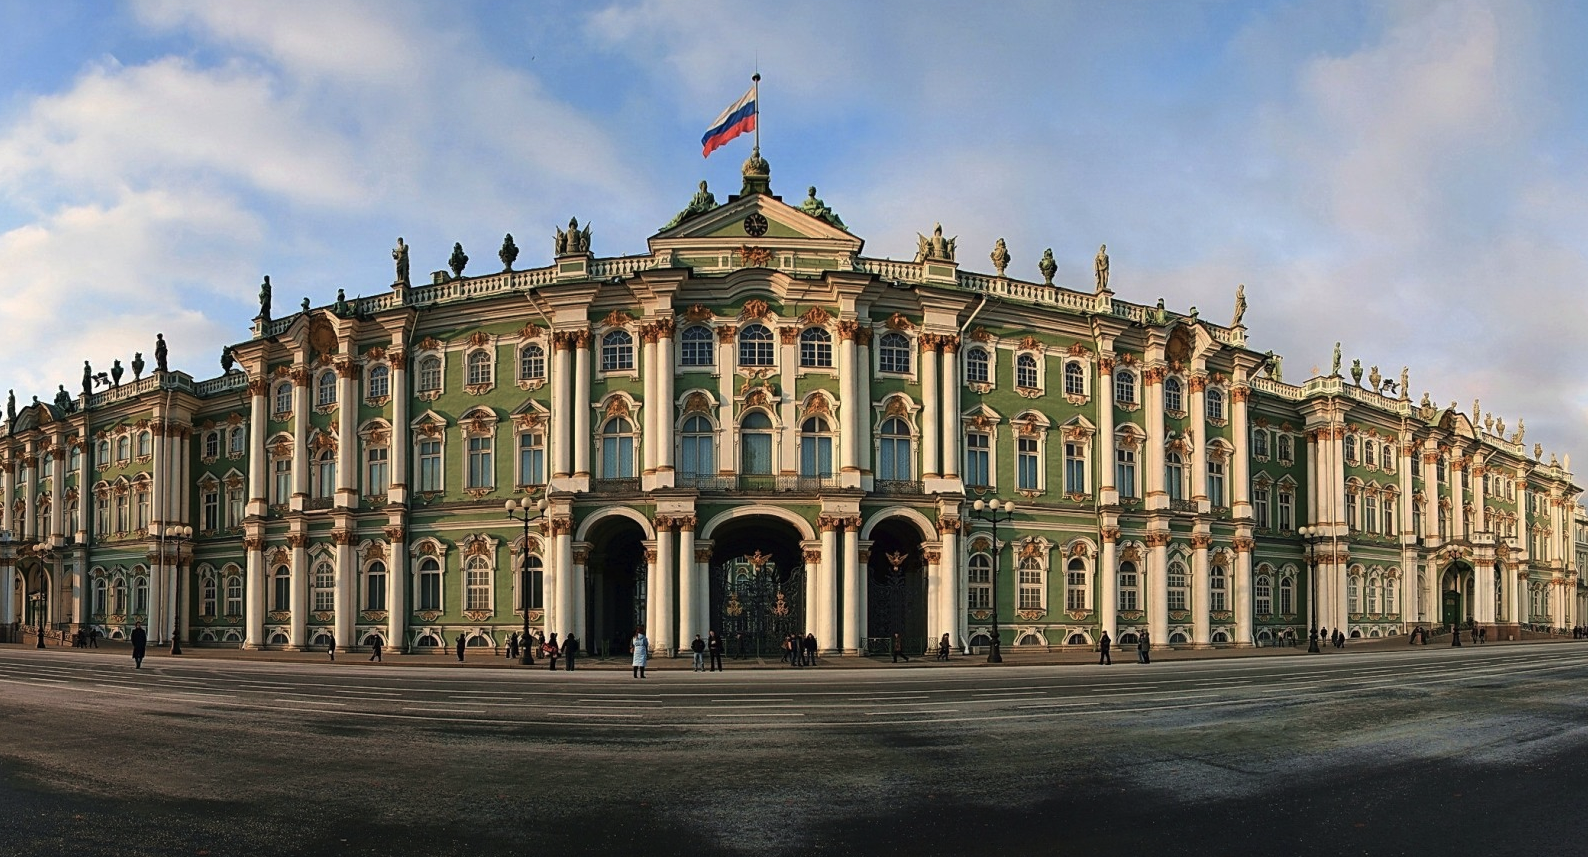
pixel 799 651
pixel 711 646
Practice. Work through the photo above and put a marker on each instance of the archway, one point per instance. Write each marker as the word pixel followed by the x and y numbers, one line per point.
pixel 615 584
pixel 1455 594
pixel 758 592
pixel 32 593
pixel 895 588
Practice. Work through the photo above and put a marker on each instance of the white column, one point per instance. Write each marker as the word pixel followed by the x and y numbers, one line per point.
pixel 1243 591
pixel 161 507
pixel 576 622
pixel 581 406
pixel 254 600
pixel 950 407
pixel 653 599
pixel 1107 601
pixel 664 408
pixel 863 418
pixel 30 503
pixel 649 381
pixel 258 456
pixel 850 410
pixel 665 636
pixel 1458 498
pixel 931 406
pixel 58 529
pixel 562 617
pixel 397 590
pixel 1158 588
pixel 300 446
pixel 1157 497
pixel 299 597
pixel 561 405
pixel 1480 517
pixel 1240 465
pixel 854 587
pixel 345 595
pixel 690 614
pixel 402 437
pixel 347 458
pixel 1483 608
pixel 827 624
pixel 1196 421
pixel 7 588
pixel 934 601
pixel 953 586
pixel 1103 448
pixel 8 482
pixel 1201 592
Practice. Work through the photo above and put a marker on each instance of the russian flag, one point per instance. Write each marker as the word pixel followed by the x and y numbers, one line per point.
pixel 737 119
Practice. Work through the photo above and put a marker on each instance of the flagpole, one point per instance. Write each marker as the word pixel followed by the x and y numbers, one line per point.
pixel 755 85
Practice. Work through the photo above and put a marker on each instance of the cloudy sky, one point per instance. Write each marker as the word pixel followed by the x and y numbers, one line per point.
pixel 1406 177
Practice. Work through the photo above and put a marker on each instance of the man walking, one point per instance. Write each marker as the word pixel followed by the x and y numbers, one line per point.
pixel 460 648
pixel 376 649
pixel 570 647
pixel 810 649
pixel 1144 648
pixel 898 649
pixel 1103 647
pixel 140 644
pixel 330 647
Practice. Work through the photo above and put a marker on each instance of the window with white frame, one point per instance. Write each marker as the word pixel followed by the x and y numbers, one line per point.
pixel 532 457
pixel 118 596
pixel 1075 467
pixel 140 593
pixel 1129 586
pixel 377 470
pixel 1213 404
pixel 1351 507
pixel 1077 588
pixel 1287 506
pixel 894 451
pixel 755 444
pixel 617 449
pixel 102 452
pixel 377 383
pixel 123 451
pixel 428 583
pixel 1174 475
pixel 482 462
pixel 756 345
pixel 480 366
pixel 235 505
pixel 977 366
pixel 1392 596
pixel 1032 591
pixel 283 397
pixel 980 581
pixel 816 348
pixel 978 456
pixel 1218 582
pixel 893 353
pixel 1125 471
pixel 816 448
pixel 1369 453
pixel 1028 463
pixel 697 447
pixel 430 465
pixel 1353 593
pixel 1260 500
pixel 477 571
pixel 234 592
pixel 1260 443
pixel 325 389
pixel 281 480
pixel 281 589
pixel 1350 449
pixel 324 592
pixel 1286 449
pixel 1389 514
pixel 617 351
pixel 141 510
pixel 1375 595
pixel 1026 371
pixel 1287 596
pixel 1179 591
pixel 697 347
pixel 209 595
pixel 532 363
pixel 1370 513
pixel 212 445
pixel 1124 387
pixel 237 441
pixel 375 586
pixel 1216 482
pixel 123 510
pixel 1074 378
pixel 325 474
pixel 531 584
pixel 430 374
pixel 1173 395
pixel 1263 596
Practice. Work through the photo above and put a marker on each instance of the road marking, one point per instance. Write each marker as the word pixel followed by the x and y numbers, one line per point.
pixel 767 714
pixel 885 698
pixel 898 713
pixel 310 702
pixel 589 714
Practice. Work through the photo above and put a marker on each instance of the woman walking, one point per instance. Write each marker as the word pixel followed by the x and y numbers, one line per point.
pixel 641 648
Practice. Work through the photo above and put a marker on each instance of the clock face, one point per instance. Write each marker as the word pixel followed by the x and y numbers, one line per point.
pixel 755 226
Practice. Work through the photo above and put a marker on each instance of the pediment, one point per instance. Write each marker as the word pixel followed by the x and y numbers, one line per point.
pixel 787 227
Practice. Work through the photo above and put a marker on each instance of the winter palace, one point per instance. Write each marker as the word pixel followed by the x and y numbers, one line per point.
pixel 753 427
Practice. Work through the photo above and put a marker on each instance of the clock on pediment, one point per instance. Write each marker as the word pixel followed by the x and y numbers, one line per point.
pixel 755 225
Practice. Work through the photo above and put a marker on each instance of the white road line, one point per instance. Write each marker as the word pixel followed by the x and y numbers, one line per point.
pixel 589 714
pixel 421 708
pixel 768 714
pixel 310 702
pixel 899 713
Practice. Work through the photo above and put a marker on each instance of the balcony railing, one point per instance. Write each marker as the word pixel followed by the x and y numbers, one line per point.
pixel 629 485
pixel 897 486
pixel 782 484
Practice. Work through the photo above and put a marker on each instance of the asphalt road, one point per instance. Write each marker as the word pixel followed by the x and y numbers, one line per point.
pixel 1459 751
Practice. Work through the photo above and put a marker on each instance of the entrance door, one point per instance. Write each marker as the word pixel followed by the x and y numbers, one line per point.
pixel 895 604
pixel 1450 614
pixel 755 603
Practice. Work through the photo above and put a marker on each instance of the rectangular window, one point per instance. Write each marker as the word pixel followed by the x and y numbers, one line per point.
pixel 1216 484
pixel 1260 507
pixel 1127 590
pixel 1125 472
pixel 377 471
pixel 1030 589
pixel 1350 511
pixel 816 456
pixel 532 459
pixel 210 520
pixel 1027 453
pixel 479 594
pixel 1177 588
pixel 481 472
pixel 234 506
pixel 1287 503
pixel 980 583
pixel 977 455
pixel 1075 591
pixel 283 480
pixel 430 465
pixel 375 591
pixel 1074 468
pixel 234 595
pixel 430 589
pixel 1216 592
pixel 324 587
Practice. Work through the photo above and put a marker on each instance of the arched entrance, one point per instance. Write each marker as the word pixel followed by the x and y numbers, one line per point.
pixel 1456 594
pixel 615 585
pixel 758 591
pixel 895 588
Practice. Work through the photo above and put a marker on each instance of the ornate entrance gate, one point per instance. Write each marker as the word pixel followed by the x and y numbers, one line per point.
pixel 894 605
pixel 755 604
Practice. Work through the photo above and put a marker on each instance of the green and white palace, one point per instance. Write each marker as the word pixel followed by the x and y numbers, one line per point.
pixel 751 426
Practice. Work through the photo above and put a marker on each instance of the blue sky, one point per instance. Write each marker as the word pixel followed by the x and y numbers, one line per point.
pixel 1407 178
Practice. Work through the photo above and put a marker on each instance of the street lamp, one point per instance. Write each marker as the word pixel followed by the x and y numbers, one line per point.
pixel 994 513
pixel 1312 536
pixel 526 512
pixel 179 535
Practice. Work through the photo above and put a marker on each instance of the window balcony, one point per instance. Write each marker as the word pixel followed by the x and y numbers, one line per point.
pixel 758 483
pixel 894 487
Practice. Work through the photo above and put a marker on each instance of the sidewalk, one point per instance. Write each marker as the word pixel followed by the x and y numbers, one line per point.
pixel 495 659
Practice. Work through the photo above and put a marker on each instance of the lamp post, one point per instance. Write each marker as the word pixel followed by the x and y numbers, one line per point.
pixel 524 510
pixel 1312 536
pixel 994 513
pixel 179 535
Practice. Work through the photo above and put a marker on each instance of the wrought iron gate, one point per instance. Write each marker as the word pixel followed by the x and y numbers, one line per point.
pixel 755 604
pixel 893 602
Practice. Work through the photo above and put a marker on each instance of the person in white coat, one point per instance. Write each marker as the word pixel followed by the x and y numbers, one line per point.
pixel 641 648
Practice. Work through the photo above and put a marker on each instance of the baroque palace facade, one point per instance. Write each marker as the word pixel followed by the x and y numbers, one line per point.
pixel 754 428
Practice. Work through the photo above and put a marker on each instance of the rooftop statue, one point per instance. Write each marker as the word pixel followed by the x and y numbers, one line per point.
pixel 160 353
pixel 306 304
pixel 1406 384
pixel 1100 267
pixel 264 299
pixel 1276 369
pixel 1334 367
pixel 63 399
pixel 816 208
pixel 1521 431
pixel 399 255
pixel 572 242
pixel 88 382
pixel 1048 267
pixel 116 372
pixel 341 307
pixel 509 252
pixel 1240 305
pixel 228 360
pixel 137 365
pixel 458 260
pixel 1375 381
pixel 1160 316
pixel 937 247
pixel 1000 256
pixel 11 406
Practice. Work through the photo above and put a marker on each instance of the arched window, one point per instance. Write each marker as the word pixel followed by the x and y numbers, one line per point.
pixel 375 586
pixel 1370 453
pixel 755 444
pixel 1287 596
pixel 1263 595
pixel 237 441
pixel 1392 595
pixel 1031 589
pixel 1026 371
pixel 325 389
pixel 1129 586
pixel 118 597
pixel 1260 443
pixel 696 346
pixel 816 448
pixel 1124 387
pixel 207 596
pixel 102 452
pixel 212 445
pixel 429 583
pixel 478 582
pixel 480 365
pixel 617 449
pixel 894 457
pixel 140 596
pixel 145 443
pixel 976 366
pixel 1173 395
pixel 980 582
pixel 617 351
pixel 1179 592
pixel 1214 406
pixel 1075 585
pixel 1285 453
pixel 755 345
pixel 1074 379
pixel 283 398
pixel 377 385
pixel 324 586
pixel 697 447
pixel 101 597
pixel 325 474
pixel 123 449
pixel 234 595
pixel 281 589
pixel 1217 582
pixel 1353 594
pixel 1375 603
pixel 430 374
pixel 531 584
pixel 1174 475
pixel 816 348
pixel 531 363
pixel 1350 448
pixel 893 353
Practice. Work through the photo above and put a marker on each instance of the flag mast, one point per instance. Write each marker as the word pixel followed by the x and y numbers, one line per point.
pixel 755 85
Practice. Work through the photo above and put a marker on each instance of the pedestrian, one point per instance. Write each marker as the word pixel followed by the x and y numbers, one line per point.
pixel 898 649
pixel 1103 648
pixel 375 647
pixel 330 646
pixel 788 650
pixel 140 643
pixel 640 647
pixel 570 648
pixel 1144 648
pixel 714 649
pixel 942 648
pixel 551 651
pixel 699 648
pixel 1455 637
pixel 810 649
pixel 93 638
pixel 460 648
pixel 512 645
